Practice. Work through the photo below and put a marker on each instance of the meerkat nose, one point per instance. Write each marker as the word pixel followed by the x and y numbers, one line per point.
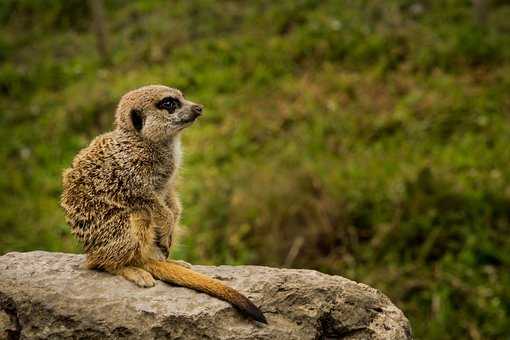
pixel 197 109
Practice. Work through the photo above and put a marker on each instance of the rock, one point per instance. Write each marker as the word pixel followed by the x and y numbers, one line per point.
pixel 50 296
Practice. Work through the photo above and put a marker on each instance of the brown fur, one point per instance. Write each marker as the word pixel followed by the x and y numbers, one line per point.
pixel 120 199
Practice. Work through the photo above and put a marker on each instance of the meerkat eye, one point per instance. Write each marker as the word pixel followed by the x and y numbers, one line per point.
pixel 169 103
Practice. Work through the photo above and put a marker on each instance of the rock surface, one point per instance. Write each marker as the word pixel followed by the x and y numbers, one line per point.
pixel 49 296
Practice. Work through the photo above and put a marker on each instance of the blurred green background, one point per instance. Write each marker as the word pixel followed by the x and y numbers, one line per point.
pixel 369 139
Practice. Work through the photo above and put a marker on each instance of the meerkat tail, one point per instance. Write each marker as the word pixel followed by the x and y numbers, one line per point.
pixel 181 276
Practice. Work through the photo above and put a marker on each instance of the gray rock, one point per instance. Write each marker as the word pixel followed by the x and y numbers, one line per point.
pixel 49 296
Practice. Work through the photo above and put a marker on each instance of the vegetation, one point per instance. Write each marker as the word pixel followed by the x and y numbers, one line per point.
pixel 362 138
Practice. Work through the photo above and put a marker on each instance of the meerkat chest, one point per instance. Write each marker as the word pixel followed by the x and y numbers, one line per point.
pixel 166 168
pixel 177 153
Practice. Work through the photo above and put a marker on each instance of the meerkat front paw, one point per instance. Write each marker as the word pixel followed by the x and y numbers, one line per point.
pixel 164 243
pixel 139 276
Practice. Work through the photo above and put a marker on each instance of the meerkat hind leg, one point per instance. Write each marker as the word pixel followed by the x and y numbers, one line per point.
pixel 139 276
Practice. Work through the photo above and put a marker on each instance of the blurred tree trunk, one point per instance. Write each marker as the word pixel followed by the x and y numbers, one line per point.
pixel 100 29
pixel 480 10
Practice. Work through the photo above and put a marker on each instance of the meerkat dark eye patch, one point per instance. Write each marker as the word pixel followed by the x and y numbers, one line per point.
pixel 137 119
pixel 169 103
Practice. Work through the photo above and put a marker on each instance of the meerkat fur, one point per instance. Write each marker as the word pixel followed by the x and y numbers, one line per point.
pixel 120 199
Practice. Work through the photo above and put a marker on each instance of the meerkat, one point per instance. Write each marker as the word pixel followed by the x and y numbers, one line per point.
pixel 120 199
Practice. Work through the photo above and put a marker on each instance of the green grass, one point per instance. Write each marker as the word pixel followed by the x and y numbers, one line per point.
pixel 374 134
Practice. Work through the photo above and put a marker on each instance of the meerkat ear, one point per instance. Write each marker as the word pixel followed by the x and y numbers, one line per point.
pixel 136 119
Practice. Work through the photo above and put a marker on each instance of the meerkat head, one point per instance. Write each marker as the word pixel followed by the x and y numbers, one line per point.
pixel 156 112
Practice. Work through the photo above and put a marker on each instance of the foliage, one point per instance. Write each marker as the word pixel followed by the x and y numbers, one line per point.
pixel 370 136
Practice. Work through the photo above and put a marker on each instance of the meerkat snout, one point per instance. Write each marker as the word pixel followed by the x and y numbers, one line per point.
pixel 197 109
